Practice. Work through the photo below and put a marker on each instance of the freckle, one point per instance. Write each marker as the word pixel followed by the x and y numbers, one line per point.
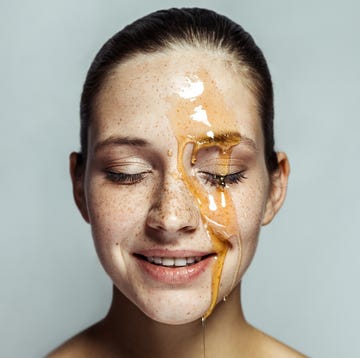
pixel 170 153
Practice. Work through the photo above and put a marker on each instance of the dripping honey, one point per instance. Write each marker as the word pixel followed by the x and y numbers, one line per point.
pixel 216 131
pixel 218 235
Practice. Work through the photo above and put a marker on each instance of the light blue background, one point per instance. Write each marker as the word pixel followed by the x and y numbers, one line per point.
pixel 303 286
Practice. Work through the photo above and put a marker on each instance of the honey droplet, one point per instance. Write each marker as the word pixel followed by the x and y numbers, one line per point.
pixel 215 205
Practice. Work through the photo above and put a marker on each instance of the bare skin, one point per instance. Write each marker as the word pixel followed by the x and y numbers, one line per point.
pixel 127 332
pixel 156 315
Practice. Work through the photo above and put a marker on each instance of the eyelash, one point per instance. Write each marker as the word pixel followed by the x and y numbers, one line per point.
pixel 124 178
pixel 209 178
pixel 222 181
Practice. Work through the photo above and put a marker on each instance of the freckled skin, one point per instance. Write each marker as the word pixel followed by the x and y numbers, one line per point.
pixel 140 99
pixel 149 104
pixel 219 119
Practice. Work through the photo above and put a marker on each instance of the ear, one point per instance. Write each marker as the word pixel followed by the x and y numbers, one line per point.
pixel 77 177
pixel 278 187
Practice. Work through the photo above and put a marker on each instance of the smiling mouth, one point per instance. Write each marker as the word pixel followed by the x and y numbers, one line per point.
pixel 173 261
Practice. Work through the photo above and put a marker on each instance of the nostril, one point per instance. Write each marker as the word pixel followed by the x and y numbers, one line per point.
pixel 170 224
pixel 188 228
pixel 173 211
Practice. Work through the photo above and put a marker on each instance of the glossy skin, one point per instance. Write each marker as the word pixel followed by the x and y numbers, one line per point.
pixel 156 211
pixel 136 197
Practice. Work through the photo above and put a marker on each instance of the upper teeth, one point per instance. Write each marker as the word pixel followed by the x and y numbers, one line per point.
pixel 173 261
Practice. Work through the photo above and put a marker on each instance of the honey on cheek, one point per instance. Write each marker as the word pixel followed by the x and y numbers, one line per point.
pixel 199 116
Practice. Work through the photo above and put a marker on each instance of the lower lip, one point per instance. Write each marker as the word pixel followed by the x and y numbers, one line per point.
pixel 175 275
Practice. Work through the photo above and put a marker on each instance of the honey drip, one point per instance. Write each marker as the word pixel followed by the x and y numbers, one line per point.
pixel 216 130
pixel 219 233
pixel 203 326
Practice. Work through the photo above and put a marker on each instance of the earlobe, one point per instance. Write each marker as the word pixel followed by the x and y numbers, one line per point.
pixel 277 194
pixel 77 178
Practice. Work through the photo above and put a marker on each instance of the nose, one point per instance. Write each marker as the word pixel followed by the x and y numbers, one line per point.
pixel 174 212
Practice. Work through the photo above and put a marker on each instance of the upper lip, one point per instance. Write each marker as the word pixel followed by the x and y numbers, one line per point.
pixel 172 253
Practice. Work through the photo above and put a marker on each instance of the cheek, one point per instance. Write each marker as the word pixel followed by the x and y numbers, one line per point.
pixel 250 206
pixel 116 216
pixel 116 213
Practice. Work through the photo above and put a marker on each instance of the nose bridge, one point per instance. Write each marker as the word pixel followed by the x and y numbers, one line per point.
pixel 175 209
pixel 176 195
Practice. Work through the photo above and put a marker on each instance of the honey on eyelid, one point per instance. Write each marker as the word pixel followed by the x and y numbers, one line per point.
pixel 204 121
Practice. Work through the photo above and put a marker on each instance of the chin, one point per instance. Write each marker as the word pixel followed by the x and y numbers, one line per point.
pixel 174 309
pixel 174 319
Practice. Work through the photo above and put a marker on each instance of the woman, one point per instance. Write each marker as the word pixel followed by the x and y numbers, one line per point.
pixel 177 173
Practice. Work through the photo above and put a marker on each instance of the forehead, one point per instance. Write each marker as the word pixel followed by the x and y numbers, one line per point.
pixel 141 94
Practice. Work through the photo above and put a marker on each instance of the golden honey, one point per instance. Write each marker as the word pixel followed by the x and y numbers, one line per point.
pixel 199 116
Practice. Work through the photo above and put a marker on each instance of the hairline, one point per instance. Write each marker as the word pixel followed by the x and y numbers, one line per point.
pixel 246 75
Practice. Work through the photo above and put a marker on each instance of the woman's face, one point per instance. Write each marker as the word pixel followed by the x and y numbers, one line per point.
pixel 175 179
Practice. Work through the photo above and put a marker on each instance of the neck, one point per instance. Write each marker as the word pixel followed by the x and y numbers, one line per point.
pixel 127 330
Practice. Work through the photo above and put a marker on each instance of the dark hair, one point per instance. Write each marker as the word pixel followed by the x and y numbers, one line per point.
pixel 192 27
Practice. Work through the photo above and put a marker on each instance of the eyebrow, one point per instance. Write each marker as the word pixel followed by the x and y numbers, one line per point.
pixel 116 141
pixel 249 142
pixel 228 138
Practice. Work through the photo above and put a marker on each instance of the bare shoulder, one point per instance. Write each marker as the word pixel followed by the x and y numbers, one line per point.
pixel 77 347
pixel 84 344
pixel 270 347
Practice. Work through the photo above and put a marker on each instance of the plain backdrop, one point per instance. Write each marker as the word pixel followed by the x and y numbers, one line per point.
pixel 303 286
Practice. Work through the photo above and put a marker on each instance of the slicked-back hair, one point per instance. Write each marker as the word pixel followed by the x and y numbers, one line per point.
pixel 186 27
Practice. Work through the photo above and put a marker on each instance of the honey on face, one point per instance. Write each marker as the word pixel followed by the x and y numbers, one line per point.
pixel 200 117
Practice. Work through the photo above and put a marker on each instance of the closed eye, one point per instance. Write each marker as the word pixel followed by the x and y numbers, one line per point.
pixel 223 181
pixel 125 178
